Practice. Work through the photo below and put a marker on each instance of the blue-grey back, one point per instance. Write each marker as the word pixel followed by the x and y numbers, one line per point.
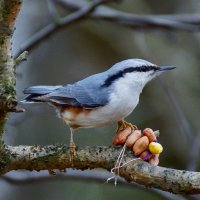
pixel 88 92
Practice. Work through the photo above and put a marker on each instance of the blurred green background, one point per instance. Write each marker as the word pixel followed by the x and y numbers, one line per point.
pixel 169 104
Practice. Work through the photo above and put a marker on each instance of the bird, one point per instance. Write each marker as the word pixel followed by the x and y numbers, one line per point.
pixel 99 99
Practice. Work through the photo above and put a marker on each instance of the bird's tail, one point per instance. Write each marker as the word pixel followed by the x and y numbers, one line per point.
pixel 37 91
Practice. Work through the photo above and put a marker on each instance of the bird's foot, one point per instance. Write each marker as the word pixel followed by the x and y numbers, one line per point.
pixel 72 152
pixel 123 125
pixel 51 172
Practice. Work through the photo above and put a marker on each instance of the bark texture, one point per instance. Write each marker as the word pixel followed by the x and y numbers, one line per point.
pixel 8 12
pixel 57 157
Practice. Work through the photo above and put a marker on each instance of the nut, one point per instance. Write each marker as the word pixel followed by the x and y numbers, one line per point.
pixel 146 155
pixel 154 160
pixel 140 145
pixel 133 137
pixel 120 137
pixel 150 134
pixel 155 148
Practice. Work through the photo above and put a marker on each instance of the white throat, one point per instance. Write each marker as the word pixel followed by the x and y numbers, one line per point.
pixel 125 95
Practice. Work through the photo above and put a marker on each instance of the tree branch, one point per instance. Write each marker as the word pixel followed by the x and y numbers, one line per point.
pixel 22 57
pixel 57 157
pixel 60 23
pixel 176 22
pixel 82 8
pixel 8 12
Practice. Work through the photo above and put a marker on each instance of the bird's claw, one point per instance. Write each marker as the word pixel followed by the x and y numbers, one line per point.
pixel 123 125
pixel 132 126
pixel 51 172
pixel 72 152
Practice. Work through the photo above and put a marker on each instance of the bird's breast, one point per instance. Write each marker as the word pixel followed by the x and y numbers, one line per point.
pixel 116 110
pixel 71 114
pixel 124 97
pixel 122 105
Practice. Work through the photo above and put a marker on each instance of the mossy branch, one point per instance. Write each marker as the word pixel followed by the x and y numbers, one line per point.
pixel 8 12
pixel 57 157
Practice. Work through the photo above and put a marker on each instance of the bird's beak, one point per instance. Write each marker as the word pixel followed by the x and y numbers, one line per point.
pixel 165 68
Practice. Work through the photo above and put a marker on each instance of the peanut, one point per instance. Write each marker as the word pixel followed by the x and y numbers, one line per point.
pixel 154 160
pixel 133 137
pixel 140 145
pixel 120 138
pixel 146 155
pixel 150 134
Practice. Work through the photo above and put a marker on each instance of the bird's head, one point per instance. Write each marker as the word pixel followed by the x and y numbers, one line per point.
pixel 134 71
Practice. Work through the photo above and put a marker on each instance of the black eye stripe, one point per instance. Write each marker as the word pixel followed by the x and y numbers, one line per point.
pixel 144 68
pixel 120 74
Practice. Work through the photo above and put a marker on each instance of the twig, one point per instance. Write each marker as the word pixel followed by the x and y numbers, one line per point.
pixel 176 22
pixel 22 57
pixel 85 9
pixel 65 21
pixel 53 11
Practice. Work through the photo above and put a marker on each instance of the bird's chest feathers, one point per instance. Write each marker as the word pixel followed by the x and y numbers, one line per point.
pixel 124 97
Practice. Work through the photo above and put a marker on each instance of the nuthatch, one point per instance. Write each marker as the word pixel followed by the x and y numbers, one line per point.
pixel 99 99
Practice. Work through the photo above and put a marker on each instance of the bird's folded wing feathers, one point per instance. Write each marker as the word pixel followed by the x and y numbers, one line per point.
pixel 40 89
pixel 75 95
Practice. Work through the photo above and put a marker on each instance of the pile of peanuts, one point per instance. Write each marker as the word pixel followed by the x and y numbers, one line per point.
pixel 143 143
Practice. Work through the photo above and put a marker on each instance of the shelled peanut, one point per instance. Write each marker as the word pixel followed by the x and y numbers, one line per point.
pixel 121 137
pixel 143 143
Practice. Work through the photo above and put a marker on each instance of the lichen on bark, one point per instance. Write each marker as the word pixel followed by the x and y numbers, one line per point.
pixel 8 12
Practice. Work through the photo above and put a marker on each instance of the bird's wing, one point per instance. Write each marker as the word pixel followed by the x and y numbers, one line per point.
pixel 83 95
pixel 86 93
